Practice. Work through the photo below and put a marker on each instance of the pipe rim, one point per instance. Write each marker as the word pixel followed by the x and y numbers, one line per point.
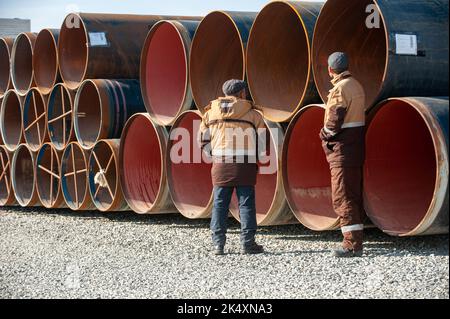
pixel 28 37
pixel 65 92
pixel 20 201
pixel 298 213
pixel 81 140
pixel 101 206
pixel 73 85
pixel 46 89
pixel 163 178
pixel 243 53
pixel 66 157
pixel 6 47
pixel 54 154
pixel 5 173
pixel 42 116
pixel 206 211
pixel 309 46
pixel 324 95
pixel 441 160
pixel 10 147
pixel 186 43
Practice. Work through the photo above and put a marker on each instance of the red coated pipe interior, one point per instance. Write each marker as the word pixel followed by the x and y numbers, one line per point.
pixel 216 56
pixel 45 60
pixel 23 64
pixel 266 186
pixel 165 72
pixel 278 63
pixel 24 175
pixel 73 52
pixel 89 114
pixel 12 121
pixel 400 170
pixel 4 67
pixel 341 26
pixel 190 183
pixel 141 164
pixel 307 176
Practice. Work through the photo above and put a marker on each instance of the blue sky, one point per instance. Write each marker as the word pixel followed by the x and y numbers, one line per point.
pixel 50 13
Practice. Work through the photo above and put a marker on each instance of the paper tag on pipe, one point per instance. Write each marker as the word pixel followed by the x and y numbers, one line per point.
pixel 406 44
pixel 97 39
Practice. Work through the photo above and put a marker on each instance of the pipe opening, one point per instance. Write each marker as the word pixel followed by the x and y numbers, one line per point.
pixel 34 121
pixel 141 166
pixel 59 114
pixel 103 179
pixel 278 61
pixel 5 59
pixel 6 190
pixel 11 120
pixel 217 55
pixel 88 115
pixel 190 183
pixel 74 176
pixel 341 26
pixel 306 173
pixel 23 175
pixel 400 168
pixel 47 175
pixel 73 51
pixel 164 73
pixel 45 61
pixel 22 63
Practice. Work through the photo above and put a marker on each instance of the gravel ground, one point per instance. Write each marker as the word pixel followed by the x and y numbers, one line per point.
pixel 68 255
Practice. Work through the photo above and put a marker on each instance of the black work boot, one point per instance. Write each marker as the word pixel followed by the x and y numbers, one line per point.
pixel 253 249
pixel 347 253
pixel 219 251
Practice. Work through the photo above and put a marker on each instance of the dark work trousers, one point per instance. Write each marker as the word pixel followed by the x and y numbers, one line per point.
pixel 247 211
pixel 346 188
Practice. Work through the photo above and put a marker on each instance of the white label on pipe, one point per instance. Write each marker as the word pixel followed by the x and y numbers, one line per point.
pixel 97 39
pixel 406 44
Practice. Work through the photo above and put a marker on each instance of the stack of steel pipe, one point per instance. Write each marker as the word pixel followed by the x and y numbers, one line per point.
pixel 121 132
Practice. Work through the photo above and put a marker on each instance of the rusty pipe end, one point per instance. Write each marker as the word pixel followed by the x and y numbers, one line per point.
pixel 45 60
pixel 6 45
pixel 34 117
pixel 7 197
pixel 23 176
pixel 22 62
pixel 11 120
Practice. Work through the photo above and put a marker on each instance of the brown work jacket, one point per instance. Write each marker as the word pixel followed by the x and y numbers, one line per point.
pixel 345 122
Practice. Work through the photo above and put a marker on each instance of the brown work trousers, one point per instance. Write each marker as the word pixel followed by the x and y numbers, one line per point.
pixel 346 188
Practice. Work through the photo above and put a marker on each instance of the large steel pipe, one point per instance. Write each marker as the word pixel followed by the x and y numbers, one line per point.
pixel 6 191
pixel 396 48
pixel 218 53
pixel 22 62
pixel 103 46
pixel 6 45
pixel 59 116
pixel 279 63
pixel 34 119
pixel 164 75
pixel 45 60
pixel 74 178
pixel 11 120
pixel 142 166
pixel 407 166
pixel 271 204
pixel 189 176
pixel 306 173
pixel 48 177
pixel 23 177
pixel 102 108
pixel 104 177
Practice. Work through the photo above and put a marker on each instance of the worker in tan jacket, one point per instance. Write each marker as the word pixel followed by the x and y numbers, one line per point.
pixel 230 131
pixel 343 137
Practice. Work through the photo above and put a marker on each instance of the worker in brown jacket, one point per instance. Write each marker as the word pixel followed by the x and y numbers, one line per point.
pixel 343 142
pixel 230 131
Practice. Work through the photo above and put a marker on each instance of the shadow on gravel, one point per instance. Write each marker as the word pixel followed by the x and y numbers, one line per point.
pixel 376 242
